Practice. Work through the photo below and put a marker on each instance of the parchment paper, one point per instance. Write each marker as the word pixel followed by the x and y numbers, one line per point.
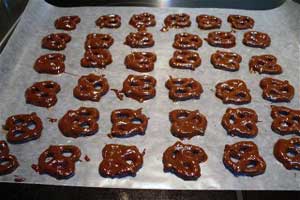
pixel 17 74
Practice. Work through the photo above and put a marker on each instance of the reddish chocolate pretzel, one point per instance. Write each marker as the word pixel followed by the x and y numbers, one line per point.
pixel 185 59
pixel 78 123
pixel 187 41
pixel 233 91
pixel 98 41
pixel 142 21
pixel 221 39
pixel 98 58
pixel 42 94
pixel 288 152
pixel 23 128
pixel 8 162
pixel 56 41
pixel 228 61
pixel 67 22
pixel 140 39
pixel 208 22
pixel 120 161
pixel 183 160
pixel 264 64
pixel 187 124
pixel 240 122
pixel 256 39
pixel 109 21
pixel 140 61
pixel 275 90
pixel 91 87
pixel 249 162
pixel 181 20
pixel 240 22
pixel 52 63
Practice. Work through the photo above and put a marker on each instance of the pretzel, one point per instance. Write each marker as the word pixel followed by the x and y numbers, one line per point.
pixel 240 22
pixel 233 91
pixel 120 161
pixel 185 59
pixel 221 39
pixel 183 160
pixel 42 94
pixel 23 128
pixel 140 61
pixel 208 22
pixel 181 89
pixel 187 124
pixel 275 90
pixel 54 161
pixel 181 20
pixel 52 63
pixel 285 120
pixel 8 162
pixel 240 122
pixel 128 122
pixel 249 162
pixel 67 22
pixel 91 87
pixel 140 39
pixel 228 61
pixel 288 152
pixel 256 39
pixel 109 21
pixel 187 41
pixel 78 123
pixel 56 41
pixel 264 64
pixel 98 58
pixel 142 21
pixel 98 41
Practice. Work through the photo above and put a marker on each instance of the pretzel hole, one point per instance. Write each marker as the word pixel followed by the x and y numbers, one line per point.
pixel 192 58
pixel 4 162
pixel 231 119
pixel 49 158
pixel 234 159
pixel 174 154
pixel 67 153
pixel 291 153
pixel 136 121
pixel 84 113
pixel 182 115
pixel 241 95
pixel 285 124
pixel 129 162
pixel 283 113
pixel 85 125
pixel 296 119
pixel 228 89
pixel 49 86
pixel 249 126
pixel 252 164
pixel 18 133
pixel 31 126
pixel 122 115
pixel 180 91
pixel 18 122
pixel 97 86
pixel 285 90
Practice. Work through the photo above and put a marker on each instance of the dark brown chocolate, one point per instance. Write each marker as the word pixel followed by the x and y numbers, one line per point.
pixel 181 20
pixel 140 39
pixel 221 39
pixel 67 22
pixel 256 39
pixel 187 41
pixel 8 162
pixel 185 59
pixel 140 61
pixel 98 41
pixel 98 58
pixel 228 61
pixel 264 64
pixel 109 21
pixel 240 22
pixel 208 22
pixel 52 63
pixel 142 21
pixel 56 41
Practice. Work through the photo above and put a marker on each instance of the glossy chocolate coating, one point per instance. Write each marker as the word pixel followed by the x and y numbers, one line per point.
pixel 140 39
pixel 276 90
pixel 240 122
pixel 288 152
pixel 120 161
pixel 240 22
pixel 98 58
pixel 228 61
pixel 67 22
pixel 56 41
pixel 221 39
pixel 187 41
pixel 185 59
pixel 109 21
pixel 264 64
pixel 208 22
pixel 98 41
pixel 187 124
pixel 256 39
pixel 142 21
pixel 140 61
pixel 249 162
pixel 23 128
pixel 42 94
pixel 183 160
pixel 233 91
pixel 52 63
pixel 8 162
pixel 79 123
pixel 181 20
pixel 91 87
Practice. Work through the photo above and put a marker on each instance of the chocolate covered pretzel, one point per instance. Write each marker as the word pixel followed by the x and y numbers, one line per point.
pixel 185 59
pixel 98 58
pixel 52 63
pixel 256 39
pixel 67 22
pixel 264 64
pixel 140 61
pixel 109 21
pixel 221 39
pixel 180 20
pixel 98 41
pixel 240 22
pixel 208 22
pixel 140 39
pixel 187 41
pixel 56 41
pixel 8 162
pixel 142 21
pixel 228 61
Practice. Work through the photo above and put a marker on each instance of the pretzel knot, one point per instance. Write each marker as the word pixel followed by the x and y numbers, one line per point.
pixel 23 128
pixel 264 64
pixel 207 22
pixel 140 39
pixel 81 122
pixel 285 120
pixel 56 41
pixel 221 39
pixel 140 61
pixel 242 158
pixel 109 21
pixel 181 89
pixel 91 87
pixel 233 91
pixel 98 41
pixel 42 94
pixel 240 22
pixel 288 152
pixel 187 41
pixel 181 20
pixel 228 61
pixel 142 21
pixel 128 122
pixel 59 161
pixel 185 59
pixel 67 22
pixel 98 58
pixel 240 122
pixel 276 90
pixel 256 39
pixel 187 124
pixel 50 63
pixel 120 161
pixel 8 162
pixel 183 160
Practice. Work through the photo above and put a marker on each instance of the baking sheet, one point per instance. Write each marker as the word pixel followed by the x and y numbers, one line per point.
pixel 17 74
